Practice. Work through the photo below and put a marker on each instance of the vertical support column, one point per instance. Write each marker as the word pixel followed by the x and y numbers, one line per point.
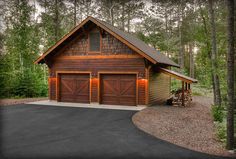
pixel 182 93
pixel 186 86
pixel 57 87
pixel 190 92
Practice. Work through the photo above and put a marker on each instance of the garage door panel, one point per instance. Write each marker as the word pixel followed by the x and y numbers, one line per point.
pixel 128 101
pixel 74 88
pixel 127 87
pixel 118 89
pixel 110 100
pixel 110 86
pixel 67 85
pixel 82 87
pixel 66 98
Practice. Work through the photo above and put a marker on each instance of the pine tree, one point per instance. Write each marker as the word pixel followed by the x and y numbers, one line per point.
pixel 230 75
pixel 214 53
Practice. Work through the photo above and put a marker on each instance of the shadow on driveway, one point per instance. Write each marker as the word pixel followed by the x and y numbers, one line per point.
pixel 39 131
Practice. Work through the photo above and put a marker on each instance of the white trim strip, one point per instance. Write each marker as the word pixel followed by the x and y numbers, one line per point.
pixel 92 105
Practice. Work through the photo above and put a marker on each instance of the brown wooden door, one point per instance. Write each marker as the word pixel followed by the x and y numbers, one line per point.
pixel 74 88
pixel 118 89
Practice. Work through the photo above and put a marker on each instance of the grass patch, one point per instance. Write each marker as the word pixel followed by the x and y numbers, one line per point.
pixel 199 90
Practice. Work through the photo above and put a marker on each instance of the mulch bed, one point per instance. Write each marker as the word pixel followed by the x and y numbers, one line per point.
pixel 190 127
pixel 6 102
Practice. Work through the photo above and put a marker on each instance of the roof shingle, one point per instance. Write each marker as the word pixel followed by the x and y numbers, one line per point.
pixel 153 53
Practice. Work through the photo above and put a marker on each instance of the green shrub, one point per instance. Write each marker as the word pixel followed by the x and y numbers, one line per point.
pixel 221 131
pixel 217 112
pixel 30 84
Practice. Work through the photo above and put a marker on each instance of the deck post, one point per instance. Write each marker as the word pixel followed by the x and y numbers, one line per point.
pixel 182 93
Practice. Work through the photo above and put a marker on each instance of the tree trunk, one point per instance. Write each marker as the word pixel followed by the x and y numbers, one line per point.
pixel 234 58
pixel 75 9
pixel 191 61
pixel 214 54
pixel 56 21
pixel 21 59
pixel 111 14
pixel 45 6
pixel 87 7
pixel 206 32
pixel 181 47
pixel 128 21
pixel 123 16
pixel 112 17
pixel 230 75
pixel 80 16
pixel 166 32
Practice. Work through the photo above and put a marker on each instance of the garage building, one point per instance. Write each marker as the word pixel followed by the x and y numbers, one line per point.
pixel 98 63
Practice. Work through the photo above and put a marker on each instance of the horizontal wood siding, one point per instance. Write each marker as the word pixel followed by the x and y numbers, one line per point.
pixel 141 92
pixel 159 87
pixel 52 88
pixel 94 89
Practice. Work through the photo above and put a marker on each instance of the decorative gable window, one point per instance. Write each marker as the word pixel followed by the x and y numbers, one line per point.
pixel 94 41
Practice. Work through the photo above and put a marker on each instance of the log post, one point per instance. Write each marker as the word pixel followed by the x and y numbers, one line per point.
pixel 182 93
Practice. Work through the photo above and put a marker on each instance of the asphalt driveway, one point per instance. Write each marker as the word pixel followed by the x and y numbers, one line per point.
pixel 39 131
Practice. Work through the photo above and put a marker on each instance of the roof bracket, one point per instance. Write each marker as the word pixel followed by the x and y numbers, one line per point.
pixel 146 63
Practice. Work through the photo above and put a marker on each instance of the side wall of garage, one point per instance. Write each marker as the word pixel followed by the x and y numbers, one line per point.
pixel 159 87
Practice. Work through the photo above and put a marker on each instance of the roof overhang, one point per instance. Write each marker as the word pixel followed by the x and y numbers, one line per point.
pixel 178 76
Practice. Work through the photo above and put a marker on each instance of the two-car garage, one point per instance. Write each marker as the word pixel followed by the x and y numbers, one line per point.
pixel 113 89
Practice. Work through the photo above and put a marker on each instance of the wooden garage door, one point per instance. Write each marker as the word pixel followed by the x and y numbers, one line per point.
pixel 118 89
pixel 74 88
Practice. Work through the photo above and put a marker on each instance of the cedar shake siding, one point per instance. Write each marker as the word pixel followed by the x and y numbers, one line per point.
pixel 159 87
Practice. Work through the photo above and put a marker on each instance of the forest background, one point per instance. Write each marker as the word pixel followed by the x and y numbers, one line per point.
pixel 191 32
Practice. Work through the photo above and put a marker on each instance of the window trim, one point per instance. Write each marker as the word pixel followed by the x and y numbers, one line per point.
pixel 100 40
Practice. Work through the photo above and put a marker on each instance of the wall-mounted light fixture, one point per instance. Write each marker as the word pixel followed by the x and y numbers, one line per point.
pixel 141 75
pixel 93 75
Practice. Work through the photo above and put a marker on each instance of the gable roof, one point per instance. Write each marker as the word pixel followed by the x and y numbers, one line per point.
pixel 134 43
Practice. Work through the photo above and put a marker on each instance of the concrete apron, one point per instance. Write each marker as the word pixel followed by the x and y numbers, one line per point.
pixel 92 105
